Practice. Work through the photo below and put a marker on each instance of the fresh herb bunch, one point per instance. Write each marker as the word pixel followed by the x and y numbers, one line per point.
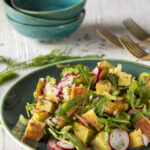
pixel 12 66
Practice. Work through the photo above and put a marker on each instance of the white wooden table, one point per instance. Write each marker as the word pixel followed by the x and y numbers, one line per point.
pixel 84 41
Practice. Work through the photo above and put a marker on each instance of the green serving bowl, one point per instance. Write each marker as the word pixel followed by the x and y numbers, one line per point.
pixel 31 20
pixel 51 9
pixel 14 100
pixel 47 33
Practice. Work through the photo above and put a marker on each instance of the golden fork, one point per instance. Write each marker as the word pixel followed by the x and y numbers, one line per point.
pixel 113 39
pixel 133 48
pixel 136 30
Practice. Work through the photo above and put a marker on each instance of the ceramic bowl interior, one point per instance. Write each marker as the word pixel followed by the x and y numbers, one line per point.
pixel 48 33
pixel 14 101
pixel 26 19
pixel 44 5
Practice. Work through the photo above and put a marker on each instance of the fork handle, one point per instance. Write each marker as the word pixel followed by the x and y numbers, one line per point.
pixel 144 44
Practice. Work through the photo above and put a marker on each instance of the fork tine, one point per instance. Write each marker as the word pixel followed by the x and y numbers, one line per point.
pixel 126 46
pixel 135 29
pixel 135 47
pixel 108 36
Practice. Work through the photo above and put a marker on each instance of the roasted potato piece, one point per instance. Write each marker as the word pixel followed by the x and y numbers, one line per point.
pixel 77 91
pixel 39 88
pixel 45 105
pixel 124 79
pixel 113 108
pixel 103 86
pixel 144 125
pixel 148 83
pixel 104 65
pixel 61 122
pixel 99 142
pixel 92 119
pixel 35 130
pixel 83 133
pixel 40 115
pixel 136 139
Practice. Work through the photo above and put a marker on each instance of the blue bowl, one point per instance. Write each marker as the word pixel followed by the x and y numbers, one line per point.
pixel 50 9
pixel 48 33
pixel 30 20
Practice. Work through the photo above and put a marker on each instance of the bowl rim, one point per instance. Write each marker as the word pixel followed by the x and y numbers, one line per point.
pixel 37 18
pixel 42 68
pixel 80 17
pixel 46 12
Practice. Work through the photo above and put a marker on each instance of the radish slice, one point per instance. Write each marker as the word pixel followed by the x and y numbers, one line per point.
pixel 46 89
pixel 97 72
pixel 132 112
pixel 82 120
pixel 145 140
pixel 70 74
pixel 51 144
pixel 119 139
pixel 54 120
pixel 64 146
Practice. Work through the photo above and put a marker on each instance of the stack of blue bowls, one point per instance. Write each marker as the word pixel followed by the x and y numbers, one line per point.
pixel 45 20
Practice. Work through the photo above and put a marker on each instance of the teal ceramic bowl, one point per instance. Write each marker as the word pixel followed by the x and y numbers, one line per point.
pixel 31 20
pixel 14 100
pixel 47 33
pixel 51 9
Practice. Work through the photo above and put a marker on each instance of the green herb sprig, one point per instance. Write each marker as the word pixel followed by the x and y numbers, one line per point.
pixel 12 66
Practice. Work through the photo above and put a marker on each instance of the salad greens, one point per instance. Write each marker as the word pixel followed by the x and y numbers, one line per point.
pixel 102 109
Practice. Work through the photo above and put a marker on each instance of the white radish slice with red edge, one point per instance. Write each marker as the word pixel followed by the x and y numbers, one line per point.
pixel 119 139
pixel 97 72
pixel 64 146
pixel 132 112
pixel 51 144
pixel 82 120
pixel 145 140
pixel 46 89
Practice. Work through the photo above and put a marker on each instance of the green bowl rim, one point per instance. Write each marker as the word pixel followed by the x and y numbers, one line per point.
pixel 37 18
pixel 41 68
pixel 46 12
pixel 80 17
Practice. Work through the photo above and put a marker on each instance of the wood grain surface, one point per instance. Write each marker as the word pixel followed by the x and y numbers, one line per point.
pixel 83 42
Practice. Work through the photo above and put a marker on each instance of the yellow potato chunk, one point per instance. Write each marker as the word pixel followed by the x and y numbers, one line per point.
pixel 83 133
pixel 92 119
pixel 136 139
pixel 45 105
pixel 99 142
pixel 40 115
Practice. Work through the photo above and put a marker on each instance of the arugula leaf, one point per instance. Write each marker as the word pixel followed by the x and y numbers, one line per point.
pixel 100 105
pixel 113 78
pixel 146 111
pixel 75 141
pixel 84 71
pixel 77 101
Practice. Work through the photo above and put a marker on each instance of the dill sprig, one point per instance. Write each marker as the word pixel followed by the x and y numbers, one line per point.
pixel 12 66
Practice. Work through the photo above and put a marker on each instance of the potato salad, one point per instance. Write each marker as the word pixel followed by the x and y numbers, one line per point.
pixel 99 109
